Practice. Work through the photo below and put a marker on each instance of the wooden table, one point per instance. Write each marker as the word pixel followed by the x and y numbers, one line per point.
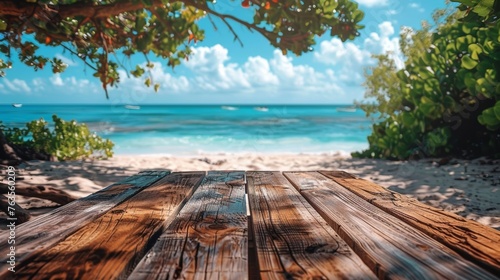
pixel 250 225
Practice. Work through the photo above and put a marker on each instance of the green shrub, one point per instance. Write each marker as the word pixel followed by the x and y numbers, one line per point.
pixel 68 141
pixel 446 99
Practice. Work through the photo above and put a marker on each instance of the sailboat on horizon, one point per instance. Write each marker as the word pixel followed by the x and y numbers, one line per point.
pixel 132 107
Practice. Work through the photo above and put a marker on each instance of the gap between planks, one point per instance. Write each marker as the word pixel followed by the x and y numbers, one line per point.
pixel 474 241
pixel 45 231
pixel 292 239
pixel 207 239
pixel 390 247
pixel 109 246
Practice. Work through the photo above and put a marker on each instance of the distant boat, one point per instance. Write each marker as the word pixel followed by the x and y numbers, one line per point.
pixel 17 105
pixel 347 109
pixel 132 107
pixel 262 109
pixel 229 108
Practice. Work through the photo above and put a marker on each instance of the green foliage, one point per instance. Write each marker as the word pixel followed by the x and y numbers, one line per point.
pixel 93 29
pixel 68 141
pixel 480 10
pixel 491 117
pixel 446 99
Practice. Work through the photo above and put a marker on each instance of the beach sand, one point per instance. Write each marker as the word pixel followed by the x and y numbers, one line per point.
pixel 468 188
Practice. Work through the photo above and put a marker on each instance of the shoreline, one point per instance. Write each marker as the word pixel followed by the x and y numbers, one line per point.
pixel 469 188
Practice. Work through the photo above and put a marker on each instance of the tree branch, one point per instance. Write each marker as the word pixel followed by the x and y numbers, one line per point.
pixel 14 8
pixel 224 18
pixel 21 214
pixel 20 9
pixel 84 59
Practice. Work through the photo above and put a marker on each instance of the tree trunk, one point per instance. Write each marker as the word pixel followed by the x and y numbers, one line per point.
pixel 49 193
pixel 23 215
pixel 7 154
pixel 11 154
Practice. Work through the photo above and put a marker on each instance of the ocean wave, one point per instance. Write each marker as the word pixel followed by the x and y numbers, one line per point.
pixel 192 144
pixel 187 129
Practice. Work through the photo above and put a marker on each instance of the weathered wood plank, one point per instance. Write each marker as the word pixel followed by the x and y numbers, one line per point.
pixel 109 246
pixel 477 242
pixel 292 240
pixel 39 234
pixel 390 247
pixel 208 239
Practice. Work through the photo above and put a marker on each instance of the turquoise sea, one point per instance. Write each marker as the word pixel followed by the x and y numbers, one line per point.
pixel 189 130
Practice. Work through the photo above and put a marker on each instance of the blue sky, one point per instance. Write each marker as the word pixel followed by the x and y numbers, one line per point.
pixel 221 71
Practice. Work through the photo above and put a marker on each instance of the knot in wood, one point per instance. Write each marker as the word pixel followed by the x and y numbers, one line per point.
pixel 322 248
pixel 217 226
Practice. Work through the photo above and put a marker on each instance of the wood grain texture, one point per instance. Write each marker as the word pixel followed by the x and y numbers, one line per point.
pixel 111 245
pixel 390 247
pixel 208 238
pixel 292 240
pixel 43 232
pixel 477 242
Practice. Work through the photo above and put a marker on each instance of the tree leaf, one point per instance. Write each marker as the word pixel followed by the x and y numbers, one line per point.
pixel 496 110
pixel 408 119
pixel 3 25
pixel 475 50
pixel 468 62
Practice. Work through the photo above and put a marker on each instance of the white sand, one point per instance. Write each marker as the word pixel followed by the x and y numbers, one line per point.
pixel 468 188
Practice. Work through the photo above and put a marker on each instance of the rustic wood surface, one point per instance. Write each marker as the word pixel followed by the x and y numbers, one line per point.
pixel 208 239
pixel 390 247
pixel 43 232
pixel 471 239
pixel 112 244
pixel 292 240
pixel 297 225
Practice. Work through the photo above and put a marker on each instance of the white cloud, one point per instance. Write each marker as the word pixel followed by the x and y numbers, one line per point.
pixel 336 52
pixel 386 29
pixel 214 72
pixel 56 80
pixel 71 84
pixel 391 12
pixel 17 85
pixel 351 58
pixel 417 7
pixel 211 71
pixel 258 72
pixel 38 84
pixel 211 75
pixel 301 78
pixel 373 3
pixel 348 59
pixel 385 42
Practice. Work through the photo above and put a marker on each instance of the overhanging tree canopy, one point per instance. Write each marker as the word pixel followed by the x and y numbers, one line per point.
pixel 93 29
